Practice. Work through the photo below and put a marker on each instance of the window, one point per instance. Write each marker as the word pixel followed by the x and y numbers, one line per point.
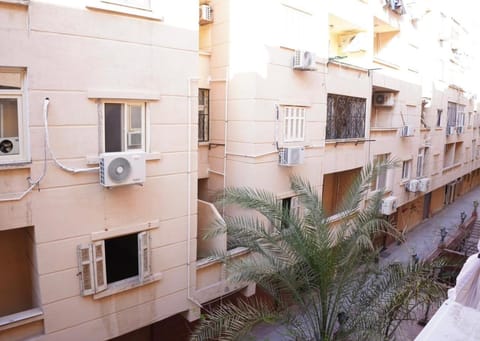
pixel 143 4
pixel 335 189
pixel 380 182
pixel 13 147
pixel 456 115
pixel 19 291
pixel 448 155
pixel 112 260
pixel 420 162
pixel 124 127
pixel 439 117
pixel 406 166
pixel 203 115
pixel 294 124
pixel 291 206
pixel 296 27
pixel 345 117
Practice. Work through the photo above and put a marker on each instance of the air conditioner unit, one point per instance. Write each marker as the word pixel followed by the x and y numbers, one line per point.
pixel 383 99
pixel 389 205
pixel 9 145
pixel 450 130
pixel 412 186
pixel 123 168
pixel 406 131
pixel 205 14
pixel 134 139
pixel 304 60
pixel 291 156
pixel 424 185
pixel 460 130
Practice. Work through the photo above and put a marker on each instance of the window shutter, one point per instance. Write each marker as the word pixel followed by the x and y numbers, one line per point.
pixel 144 264
pixel 296 207
pixel 85 269
pixel 99 266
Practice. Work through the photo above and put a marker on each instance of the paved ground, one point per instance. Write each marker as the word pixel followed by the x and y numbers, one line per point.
pixel 421 240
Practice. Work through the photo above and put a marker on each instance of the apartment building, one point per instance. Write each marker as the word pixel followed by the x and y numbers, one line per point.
pixel 121 120
pixel 98 182
pixel 321 88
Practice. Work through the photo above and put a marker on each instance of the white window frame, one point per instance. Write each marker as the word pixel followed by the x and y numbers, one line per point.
pixel 18 94
pixel 406 169
pixel 420 162
pixel 294 123
pixel 92 268
pixel 125 121
pixel 382 177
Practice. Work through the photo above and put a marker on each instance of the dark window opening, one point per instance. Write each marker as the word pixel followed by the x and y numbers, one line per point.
pixel 121 255
pixel 113 127
pixel 286 207
pixel 345 117
pixel 203 115
pixel 439 117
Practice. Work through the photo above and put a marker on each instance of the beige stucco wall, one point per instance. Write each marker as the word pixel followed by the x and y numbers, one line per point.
pixel 84 51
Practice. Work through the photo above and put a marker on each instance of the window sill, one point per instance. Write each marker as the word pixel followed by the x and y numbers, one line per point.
pixel 126 284
pixel 21 318
pixel 340 216
pixel 16 2
pixel 208 261
pixel 446 169
pixel 95 159
pixel 388 129
pixel 16 165
pixel 136 12
pixel 343 141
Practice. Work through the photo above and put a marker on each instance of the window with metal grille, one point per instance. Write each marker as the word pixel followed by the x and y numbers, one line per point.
pixel 345 117
pixel 203 115
pixel 294 124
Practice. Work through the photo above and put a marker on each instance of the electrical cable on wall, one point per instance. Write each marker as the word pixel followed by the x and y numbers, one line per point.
pixel 47 139
pixel 46 149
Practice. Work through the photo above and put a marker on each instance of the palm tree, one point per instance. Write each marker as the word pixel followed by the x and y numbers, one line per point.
pixel 323 278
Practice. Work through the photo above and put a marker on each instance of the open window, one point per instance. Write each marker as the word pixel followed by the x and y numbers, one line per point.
pixel 124 126
pixel 13 135
pixel 113 262
pixel 20 302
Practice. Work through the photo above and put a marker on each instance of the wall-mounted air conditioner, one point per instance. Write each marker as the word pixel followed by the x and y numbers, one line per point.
pixel 304 60
pixel 124 168
pixel 460 129
pixel 291 156
pixel 389 205
pixel 205 14
pixel 412 186
pixel 9 145
pixel 424 185
pixel 451 130
pixel 383 99
pixel 406 131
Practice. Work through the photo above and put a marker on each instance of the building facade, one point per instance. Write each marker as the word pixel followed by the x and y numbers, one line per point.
pixel 121 120
pixel 84 258
pixel 320 89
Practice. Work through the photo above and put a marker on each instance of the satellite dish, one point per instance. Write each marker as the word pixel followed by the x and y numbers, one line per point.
pixel 119 169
